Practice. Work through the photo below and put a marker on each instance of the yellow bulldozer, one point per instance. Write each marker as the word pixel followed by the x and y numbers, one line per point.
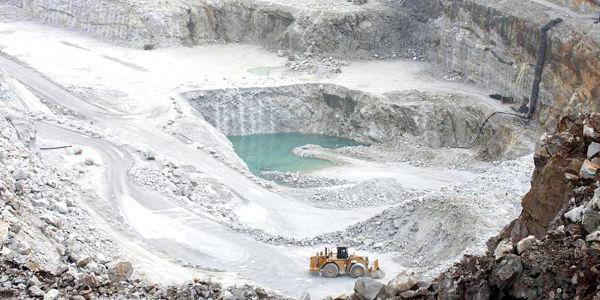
pixel 330 264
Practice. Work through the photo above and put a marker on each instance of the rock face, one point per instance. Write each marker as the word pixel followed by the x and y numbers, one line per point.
pixel 348 28
pixel 556 155
pixel 493 43
pixel 579 5
pixel 435 120
pixel 562 262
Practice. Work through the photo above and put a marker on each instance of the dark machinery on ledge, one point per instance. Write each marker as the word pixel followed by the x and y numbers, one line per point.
pixel 528 107
pixel 331 264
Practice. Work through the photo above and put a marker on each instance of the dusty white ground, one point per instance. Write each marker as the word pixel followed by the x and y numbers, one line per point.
pixel 130 99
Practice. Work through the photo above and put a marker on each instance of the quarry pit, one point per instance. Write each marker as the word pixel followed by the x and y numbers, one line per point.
pixel 232 139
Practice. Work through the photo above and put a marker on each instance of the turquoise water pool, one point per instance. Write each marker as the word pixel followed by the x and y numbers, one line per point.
pixel 273 152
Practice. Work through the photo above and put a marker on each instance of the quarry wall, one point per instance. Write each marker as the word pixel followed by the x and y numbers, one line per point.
pixel 433 120
pixel 492 43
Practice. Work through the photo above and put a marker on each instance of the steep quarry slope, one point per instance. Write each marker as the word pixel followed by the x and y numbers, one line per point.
pixel 579 5
pixel 431 119
pixel 317 26
pixel 493 43
pixel 202 184
pixel 552 251
pixel 52 246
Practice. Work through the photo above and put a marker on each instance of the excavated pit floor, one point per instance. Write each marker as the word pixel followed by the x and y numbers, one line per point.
pixel 140 101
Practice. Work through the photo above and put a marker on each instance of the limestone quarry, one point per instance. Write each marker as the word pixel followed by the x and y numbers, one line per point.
pixel 206 149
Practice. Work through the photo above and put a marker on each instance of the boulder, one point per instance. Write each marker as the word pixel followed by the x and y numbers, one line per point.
pixel 4 231
pixel 50 220
pixel 595 201
pixel 304 296
pixel 398 223
pixel 378 274
pixel 422 292
pixel 590 219
pixel 89 280
pixel 83 262
pixel 101 258
pixel 408 294
pixel 593 237
pixel 33 266
pixel 479 291
pixel 36 291
pixel 504 248
pixel 367 287
pixel 404 281
pixel 178 172
pixel 588 169
pixel 260 292
pixel 526 243
pixel 6 253
pixel 575 214
pixel 51 295
pixel 227 295
pixel 506 271
pixel 42 202
pixel 21 247
pixel 20 174
pixel 120 271
pixel 60 207
pixel 33 281
pixel 589 131
pixel 593 150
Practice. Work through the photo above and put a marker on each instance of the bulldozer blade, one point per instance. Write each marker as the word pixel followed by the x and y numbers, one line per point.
pixel 376 265
pixel 375 272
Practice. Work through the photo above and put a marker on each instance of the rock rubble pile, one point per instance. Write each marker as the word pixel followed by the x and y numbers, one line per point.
pixel 51 249
pixel 552 251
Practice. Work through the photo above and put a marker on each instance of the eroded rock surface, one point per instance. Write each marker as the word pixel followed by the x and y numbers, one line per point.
pixel 433 119
pixel 562 263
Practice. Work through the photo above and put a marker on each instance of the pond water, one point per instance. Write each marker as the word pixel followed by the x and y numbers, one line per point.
pixel 273 152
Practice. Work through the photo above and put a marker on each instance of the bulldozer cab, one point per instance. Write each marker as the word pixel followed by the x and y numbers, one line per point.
pixel 342 252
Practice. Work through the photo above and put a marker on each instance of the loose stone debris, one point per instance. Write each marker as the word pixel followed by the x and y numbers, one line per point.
pixel 332 69
pixel 559 260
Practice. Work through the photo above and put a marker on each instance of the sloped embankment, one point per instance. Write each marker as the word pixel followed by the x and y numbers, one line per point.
pixel 493 43
pixel 430 119
pixel 552 251
pixel 331 27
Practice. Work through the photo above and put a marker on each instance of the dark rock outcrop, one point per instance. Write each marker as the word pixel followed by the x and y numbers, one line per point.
pixel 556 156
pixel 564 261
